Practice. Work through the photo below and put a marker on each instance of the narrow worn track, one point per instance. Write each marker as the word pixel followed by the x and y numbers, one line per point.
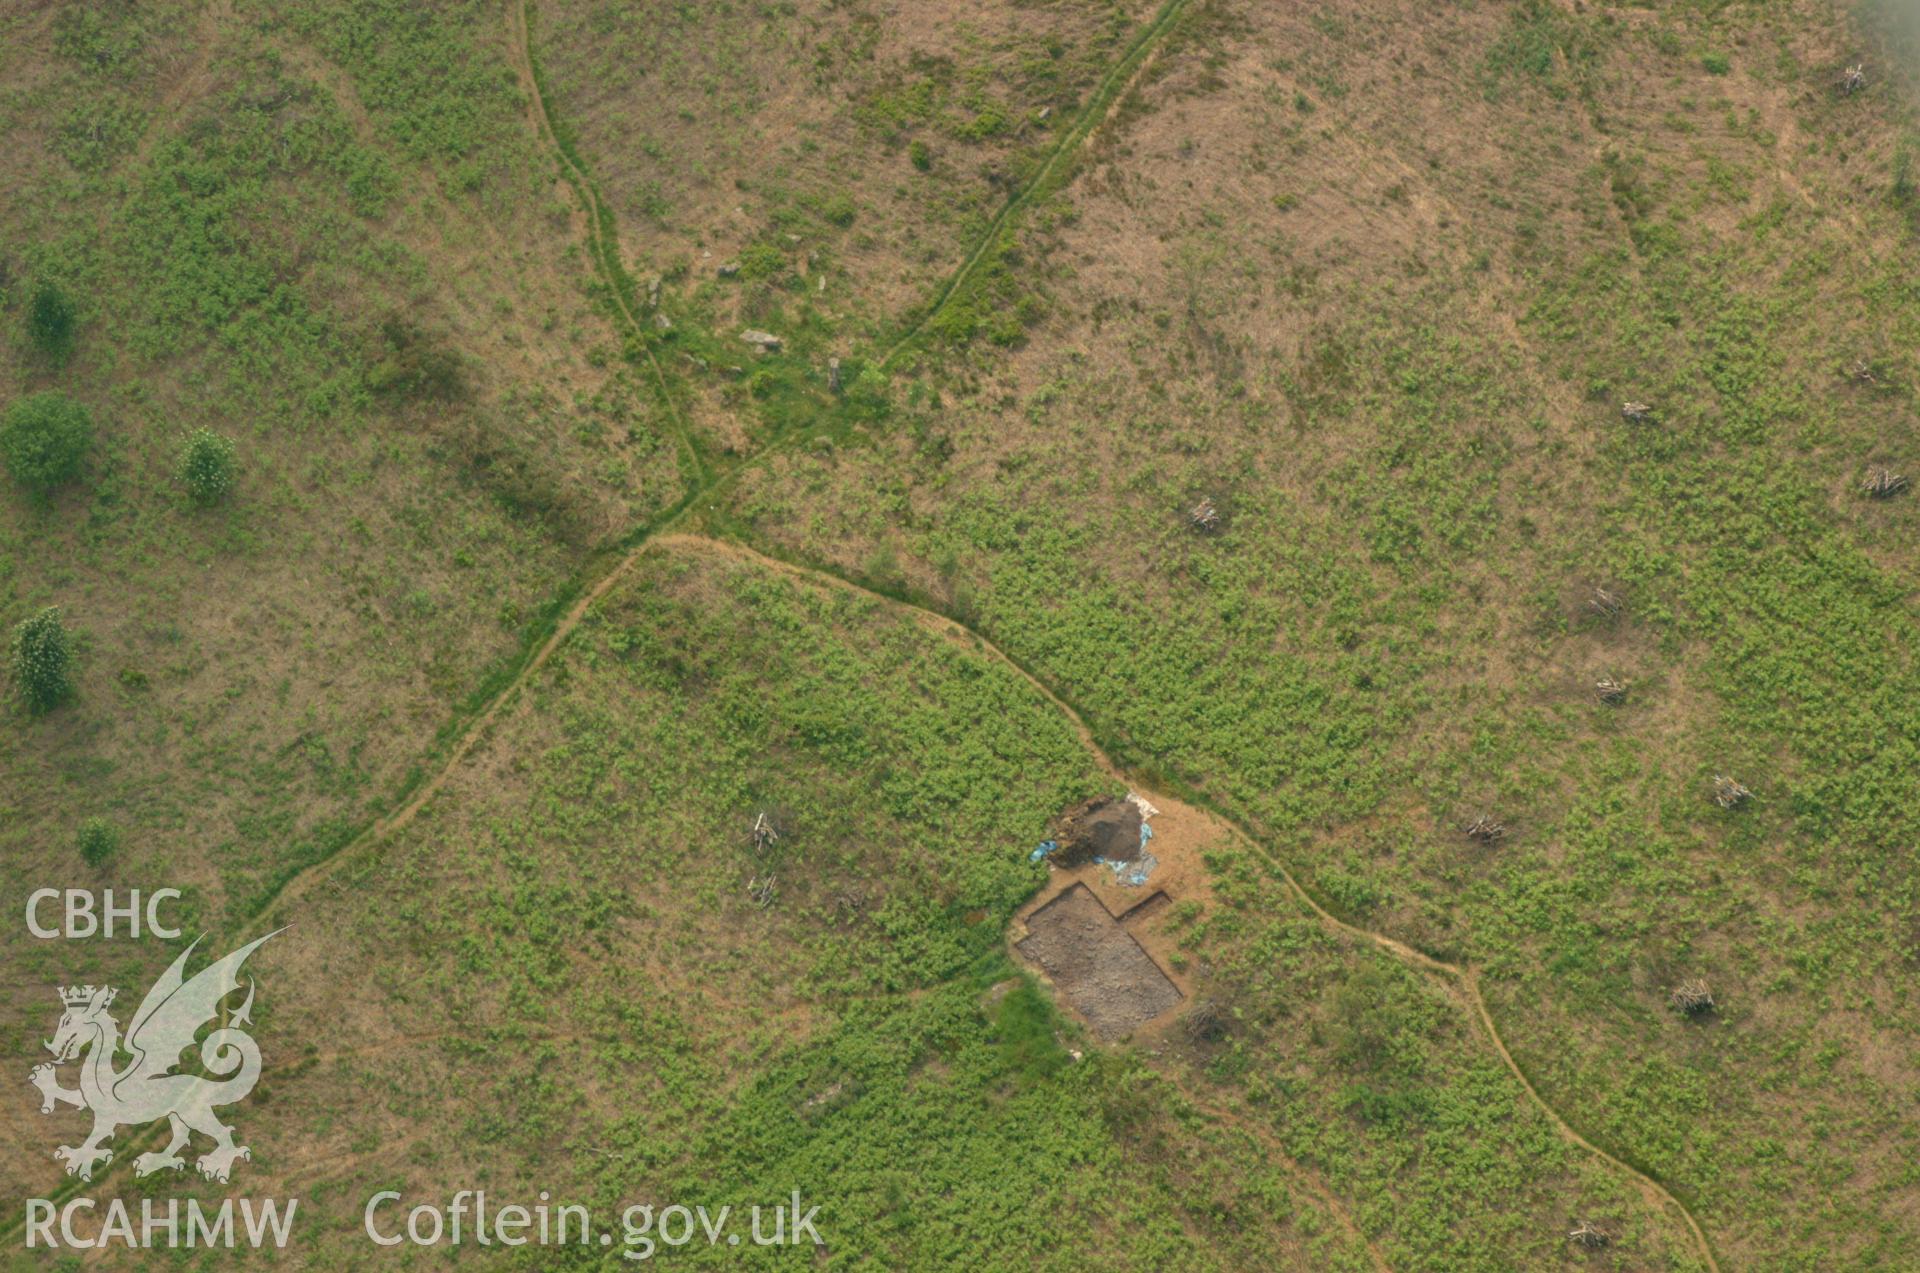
pixel 603 249
pixel 1462 980
pixel 602 244
pixel 1099 105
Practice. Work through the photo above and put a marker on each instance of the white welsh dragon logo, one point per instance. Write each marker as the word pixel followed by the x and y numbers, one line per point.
pixel 146 1089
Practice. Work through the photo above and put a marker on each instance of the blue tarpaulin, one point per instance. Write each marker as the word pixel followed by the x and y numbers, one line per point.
pixel 1132 873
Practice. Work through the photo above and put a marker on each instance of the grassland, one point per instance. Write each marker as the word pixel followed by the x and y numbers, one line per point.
pixel 407 264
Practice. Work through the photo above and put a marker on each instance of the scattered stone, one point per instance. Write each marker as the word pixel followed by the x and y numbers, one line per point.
pixel 653 292
pixel 833 375
pixel 1045 113
pixel 1885 483
pixel 1692 997
pixel 1729 794
pixel 1638 412
pixel 765 342
pixel 730 269
pixel 1484 830
pixel 661 322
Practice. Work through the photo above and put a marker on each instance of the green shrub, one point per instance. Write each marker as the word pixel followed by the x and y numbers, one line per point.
pixel 43 438
pixel 956 322
pixel 1716 63
pixel 840 210
pixel 97 840
pixel 206 466
pixel 761 260
pixel 921 155
pixel 1540 41
pixel 1004 329
pixel 50 322
pixel 99 37
pixel 43 661
pixel 1025 1027
pixel 991 121
pixel 414 366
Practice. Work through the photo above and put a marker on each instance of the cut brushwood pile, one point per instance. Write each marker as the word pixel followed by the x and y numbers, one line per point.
pixel 1204 1022
pixel 1204 516
pixel 1589 1236
pixel 1484 830
pixel 1606 603
pixel 1692 997
pixel 1729 794
pixel 1610 691
pixel 765 835
pixel 1884 483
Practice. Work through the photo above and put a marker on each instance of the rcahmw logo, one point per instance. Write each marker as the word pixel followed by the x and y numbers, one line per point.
pixel 148 1088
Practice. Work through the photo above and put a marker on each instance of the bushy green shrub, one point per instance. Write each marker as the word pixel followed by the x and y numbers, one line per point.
pixel 415 366
pixel 43 438
pixel 839 210
pixel 97 840
pixel 50 322
pixel 43 661
pixel 101 38
pixel 761 260
pixel 921 155
pixel 991 121
pixel 207 466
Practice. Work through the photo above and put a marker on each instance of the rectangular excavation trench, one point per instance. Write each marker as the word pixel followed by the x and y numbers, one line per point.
pixel 1106 976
